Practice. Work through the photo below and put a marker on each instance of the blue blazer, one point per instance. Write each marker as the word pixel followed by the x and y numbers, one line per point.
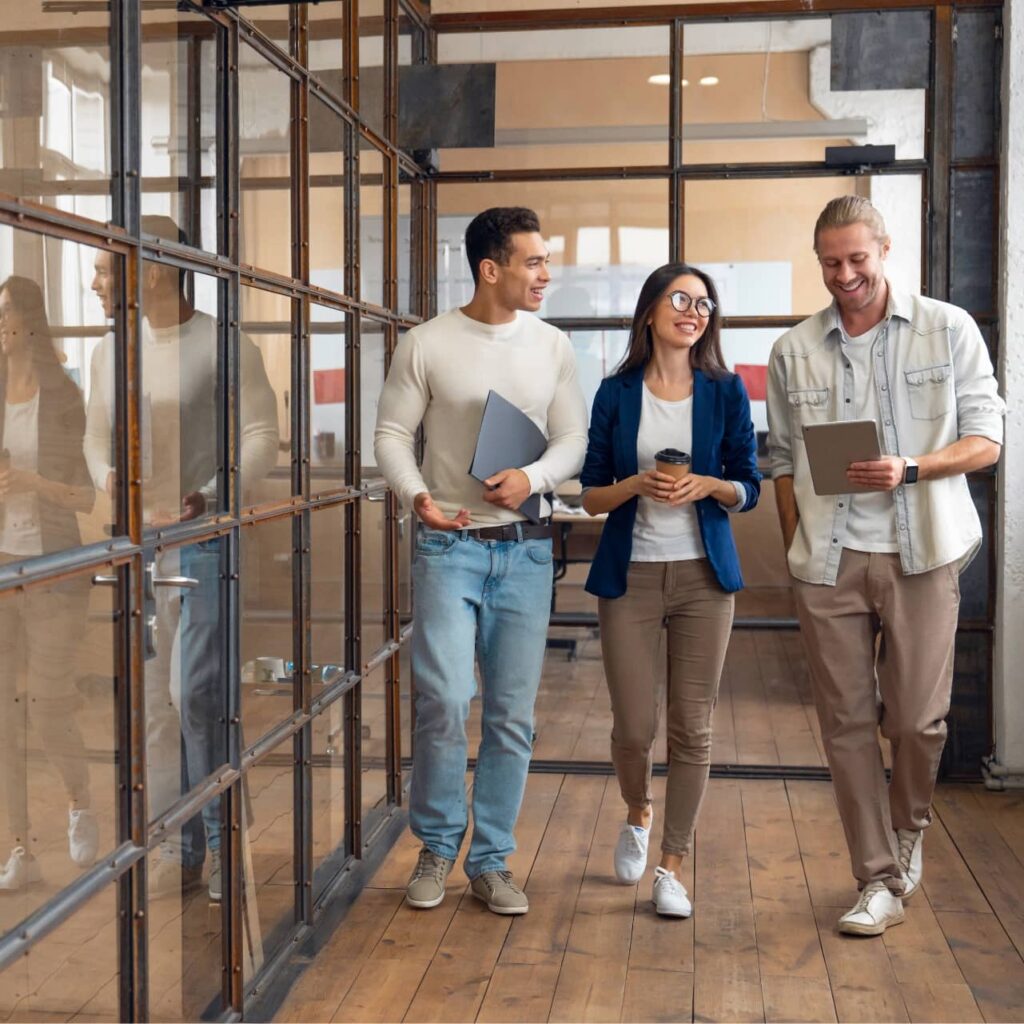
pixel 724 446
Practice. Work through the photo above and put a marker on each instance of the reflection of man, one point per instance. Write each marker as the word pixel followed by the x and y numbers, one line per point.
pixel 882 565
pixel 181 390
pixel 482 574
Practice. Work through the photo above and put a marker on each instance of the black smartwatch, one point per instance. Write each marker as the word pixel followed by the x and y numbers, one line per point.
pixel 909 471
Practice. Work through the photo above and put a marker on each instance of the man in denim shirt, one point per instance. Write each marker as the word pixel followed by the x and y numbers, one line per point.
pixel 876 574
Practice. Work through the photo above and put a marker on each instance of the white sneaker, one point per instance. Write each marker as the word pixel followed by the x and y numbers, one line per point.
pixel 875 911
pixel 911 843
pixel 83 837
pixel 669 896
pixel 20 870
pixel 631 853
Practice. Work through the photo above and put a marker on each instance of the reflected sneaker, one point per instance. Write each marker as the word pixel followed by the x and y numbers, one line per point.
pixel 169 877
pixel 426 883
pixel 911 842
pixel 500 893
pixel 875 910
pixel 631 853
pixel 669 895
pixel 83 836
pixel 215 882
pixel 20 870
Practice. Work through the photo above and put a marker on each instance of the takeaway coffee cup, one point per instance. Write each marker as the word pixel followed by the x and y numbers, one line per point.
pixel 672 462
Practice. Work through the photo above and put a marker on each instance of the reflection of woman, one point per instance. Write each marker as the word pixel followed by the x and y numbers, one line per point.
pixel 667 554
pixel 43 483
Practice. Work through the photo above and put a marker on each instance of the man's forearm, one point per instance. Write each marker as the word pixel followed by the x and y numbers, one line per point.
pixel 785 504
pixel 963 456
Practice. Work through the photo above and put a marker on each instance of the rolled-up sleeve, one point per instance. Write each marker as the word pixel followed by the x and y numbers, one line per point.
pixel 979 409
pixel 780 442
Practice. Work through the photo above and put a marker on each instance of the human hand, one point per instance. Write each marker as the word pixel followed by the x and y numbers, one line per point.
pixel 652 484
pixel 193 505
pixel 17 481
pixel 882 474
pixel 430 515
pixel 690 488
pixel 111 484
pixel 507 489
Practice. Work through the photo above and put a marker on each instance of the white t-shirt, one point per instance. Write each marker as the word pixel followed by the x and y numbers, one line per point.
pixel 440 375
pixel 20 532
pixel 662 533
pixel 871 522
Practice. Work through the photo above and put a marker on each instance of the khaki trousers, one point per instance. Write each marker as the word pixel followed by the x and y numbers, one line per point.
pixel 913 618
pixel 685 597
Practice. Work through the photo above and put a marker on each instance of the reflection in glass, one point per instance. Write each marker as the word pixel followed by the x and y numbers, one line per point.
pixel 373 537
pixel 326 32
pixel 327 395
pixel 50 329
pixel 374 169
pixel 408 298
pixel 264 112
pixel 186 696
pixel 72 972
pixel 405 702
pixel 56 107
pixel 179 131
pixel 371 64
pixel 185 928
pixel 327 134
pixel 371 382
pixel 328 782
pixel 604 237
pixel 268 862
pixel 327 595
pixel 601 107
pixel 57 737
pixel 265 376
pixel 598 353
pixel 754 237
pixel 374 748
pixel 266 626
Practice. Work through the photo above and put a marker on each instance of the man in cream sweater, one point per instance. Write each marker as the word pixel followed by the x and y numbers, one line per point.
pixel 482 572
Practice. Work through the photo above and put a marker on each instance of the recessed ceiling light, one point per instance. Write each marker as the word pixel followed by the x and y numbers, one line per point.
pixel 686 82
pixel 709 80
pixel 659 79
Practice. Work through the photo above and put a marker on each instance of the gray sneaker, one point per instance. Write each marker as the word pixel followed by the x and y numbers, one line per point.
pixel 169 877
pixel 500 893
pixel 426 883
pixel 216 880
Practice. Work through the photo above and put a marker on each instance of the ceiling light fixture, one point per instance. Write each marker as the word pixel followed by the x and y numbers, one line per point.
pixel 659 79
pixel 686 82
pixel 709 80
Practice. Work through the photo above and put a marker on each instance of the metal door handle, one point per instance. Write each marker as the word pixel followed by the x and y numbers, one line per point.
pixel 185 582
pixel 105 581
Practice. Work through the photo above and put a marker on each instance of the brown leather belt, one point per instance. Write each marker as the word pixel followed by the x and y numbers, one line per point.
pixel 515 531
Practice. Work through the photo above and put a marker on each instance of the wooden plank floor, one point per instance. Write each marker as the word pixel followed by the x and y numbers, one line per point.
pixel 769 876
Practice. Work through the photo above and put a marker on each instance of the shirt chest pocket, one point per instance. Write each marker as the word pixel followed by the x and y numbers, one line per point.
pixel 930 391
pixel 807 406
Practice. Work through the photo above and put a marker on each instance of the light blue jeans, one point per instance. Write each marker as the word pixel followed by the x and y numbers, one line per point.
pixel 491 600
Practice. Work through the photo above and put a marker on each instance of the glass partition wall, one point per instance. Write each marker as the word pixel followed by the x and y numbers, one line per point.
pixel 211 240
pixel 205 263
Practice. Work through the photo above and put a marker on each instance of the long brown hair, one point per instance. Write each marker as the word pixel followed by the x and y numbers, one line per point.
pixel 705 356
pixel 27 298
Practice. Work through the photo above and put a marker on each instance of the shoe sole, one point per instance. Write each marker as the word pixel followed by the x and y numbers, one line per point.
pixel 869 929
pixel 424 904
pixel 504 911
pixel 671 913
pixel 907 893
pixel 629 881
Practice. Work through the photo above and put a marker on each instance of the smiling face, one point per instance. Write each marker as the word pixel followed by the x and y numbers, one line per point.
pixel 520 283
pixel 103 282
pixel 852 262
pixel 678 330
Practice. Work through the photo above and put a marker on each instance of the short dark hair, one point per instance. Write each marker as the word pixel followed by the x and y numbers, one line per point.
pixel 489 235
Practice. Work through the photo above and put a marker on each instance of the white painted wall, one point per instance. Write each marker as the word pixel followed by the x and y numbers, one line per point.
pixel 1008 682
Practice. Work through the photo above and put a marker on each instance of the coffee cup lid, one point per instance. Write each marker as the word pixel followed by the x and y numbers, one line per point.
pixel 673 456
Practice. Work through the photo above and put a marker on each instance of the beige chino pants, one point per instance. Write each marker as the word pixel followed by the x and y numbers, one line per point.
pixel 916 618
pixel 685 597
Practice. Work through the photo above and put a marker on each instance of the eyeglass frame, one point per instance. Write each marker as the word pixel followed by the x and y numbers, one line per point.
pixel 707 301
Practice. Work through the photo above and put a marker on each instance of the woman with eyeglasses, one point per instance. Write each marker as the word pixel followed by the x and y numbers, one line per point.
pixel 671 454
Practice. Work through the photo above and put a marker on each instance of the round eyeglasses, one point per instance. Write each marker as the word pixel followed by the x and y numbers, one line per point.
pixel 681 302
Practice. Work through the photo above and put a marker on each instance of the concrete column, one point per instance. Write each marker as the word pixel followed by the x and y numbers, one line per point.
pixel 1007 766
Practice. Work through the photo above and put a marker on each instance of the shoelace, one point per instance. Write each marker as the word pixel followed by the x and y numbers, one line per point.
pixel 505 876
pixel 634 839
pixel 865 895
pixel 907 843
pixel 670 882
pixel 430 865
